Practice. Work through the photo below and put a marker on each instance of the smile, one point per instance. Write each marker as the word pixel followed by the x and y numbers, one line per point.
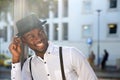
pixel 39 44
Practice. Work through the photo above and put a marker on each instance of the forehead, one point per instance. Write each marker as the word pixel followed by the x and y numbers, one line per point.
pixel 33 31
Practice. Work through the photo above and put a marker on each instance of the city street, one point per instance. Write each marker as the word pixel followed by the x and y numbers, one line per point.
pixel 111 73
pixel 5 74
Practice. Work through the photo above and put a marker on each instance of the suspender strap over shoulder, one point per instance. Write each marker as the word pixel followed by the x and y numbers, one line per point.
pixel 30 68
pixel 61 64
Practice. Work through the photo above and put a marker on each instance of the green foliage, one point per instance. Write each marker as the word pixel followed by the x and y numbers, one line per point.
pixel 40 7
pixel 5 5
pixel 3 57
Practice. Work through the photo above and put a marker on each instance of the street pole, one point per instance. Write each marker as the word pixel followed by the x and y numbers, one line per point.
pixel 98 39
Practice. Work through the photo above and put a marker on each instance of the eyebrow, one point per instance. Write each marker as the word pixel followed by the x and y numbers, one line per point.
pixel 27 35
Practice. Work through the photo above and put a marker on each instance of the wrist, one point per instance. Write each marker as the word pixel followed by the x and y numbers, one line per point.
pixel 15 60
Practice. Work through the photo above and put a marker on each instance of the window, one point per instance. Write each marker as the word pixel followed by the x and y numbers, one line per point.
pixel 3 33
pixel 65 31
pixel 87 6
pixel 113 4
pixel 65 8
pixel 47 30
pixel 53 6
pixel 87 32
pixel 112 28
pixel 55 32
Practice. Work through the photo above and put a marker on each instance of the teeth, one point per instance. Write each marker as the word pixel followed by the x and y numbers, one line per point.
pixel 40 44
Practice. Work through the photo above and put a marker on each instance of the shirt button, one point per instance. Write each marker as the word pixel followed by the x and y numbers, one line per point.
pixel 44 62
pixel 13 66
pixel 13 77
pixel 48 74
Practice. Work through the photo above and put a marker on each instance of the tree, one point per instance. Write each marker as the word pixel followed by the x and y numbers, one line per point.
pixel 5 7
pixel 42 7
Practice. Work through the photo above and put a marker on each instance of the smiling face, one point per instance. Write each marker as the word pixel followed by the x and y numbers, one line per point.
pixel 37 40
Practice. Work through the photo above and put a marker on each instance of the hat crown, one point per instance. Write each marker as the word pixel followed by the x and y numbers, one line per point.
pixel 28 23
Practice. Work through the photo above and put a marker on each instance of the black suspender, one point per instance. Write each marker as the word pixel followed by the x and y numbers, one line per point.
pixel 61 65
pixel 30 68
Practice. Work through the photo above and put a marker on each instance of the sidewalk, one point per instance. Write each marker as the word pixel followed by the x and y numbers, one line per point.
pixel 111 73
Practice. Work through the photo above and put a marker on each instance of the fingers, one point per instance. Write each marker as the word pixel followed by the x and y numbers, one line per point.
pixel 15 45
pixel 17 40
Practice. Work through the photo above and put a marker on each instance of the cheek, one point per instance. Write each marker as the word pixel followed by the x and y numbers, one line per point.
pixel 30 44
pixel 45 37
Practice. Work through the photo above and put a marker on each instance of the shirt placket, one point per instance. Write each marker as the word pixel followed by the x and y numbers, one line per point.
pixel 13 73
pixel 46 68
pixel 16 69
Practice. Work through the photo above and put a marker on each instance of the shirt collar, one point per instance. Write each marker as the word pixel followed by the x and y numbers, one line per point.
pixel 50 47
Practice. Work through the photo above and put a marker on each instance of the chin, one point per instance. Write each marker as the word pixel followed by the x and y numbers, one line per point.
pixel 41 50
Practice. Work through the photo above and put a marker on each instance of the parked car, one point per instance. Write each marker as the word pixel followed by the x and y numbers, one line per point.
pixel 5 61
pixel 1 62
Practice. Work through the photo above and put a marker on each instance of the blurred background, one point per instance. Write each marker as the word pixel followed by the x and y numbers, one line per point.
pixel 92 26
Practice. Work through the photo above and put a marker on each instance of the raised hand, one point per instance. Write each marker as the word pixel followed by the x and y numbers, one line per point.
pixel 15 49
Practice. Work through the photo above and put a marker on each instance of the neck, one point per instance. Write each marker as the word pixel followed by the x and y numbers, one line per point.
pixel 40 55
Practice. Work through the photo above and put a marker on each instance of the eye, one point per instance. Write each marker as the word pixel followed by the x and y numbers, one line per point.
pixel 30 37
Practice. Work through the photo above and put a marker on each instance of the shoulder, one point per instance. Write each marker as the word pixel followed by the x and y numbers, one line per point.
pixel 76 53
pixel 28 60
pixel 72 51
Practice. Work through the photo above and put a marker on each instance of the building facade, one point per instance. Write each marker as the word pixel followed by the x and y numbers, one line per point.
pixel 6 33
pixel 89 25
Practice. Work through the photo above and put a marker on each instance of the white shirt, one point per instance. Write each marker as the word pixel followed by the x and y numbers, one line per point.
pixel 76 66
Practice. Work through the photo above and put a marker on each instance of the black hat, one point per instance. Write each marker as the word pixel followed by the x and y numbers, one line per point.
pixel 28 23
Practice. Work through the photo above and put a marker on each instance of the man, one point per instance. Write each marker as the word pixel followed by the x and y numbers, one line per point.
pixel 45 64
pixel 91 59
pixel 104 60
